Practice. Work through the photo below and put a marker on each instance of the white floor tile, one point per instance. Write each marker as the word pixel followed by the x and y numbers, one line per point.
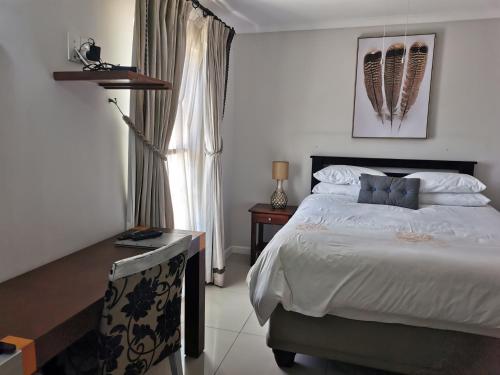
pixel 225 309
pixel 253 327
pixel 250 356
pixel 237 267
pixel 217 344
pixel 235 343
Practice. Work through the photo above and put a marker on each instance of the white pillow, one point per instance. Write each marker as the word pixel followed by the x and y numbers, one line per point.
pixel 445 182
pixel 328 188
pixel 344 174
pixel 454 199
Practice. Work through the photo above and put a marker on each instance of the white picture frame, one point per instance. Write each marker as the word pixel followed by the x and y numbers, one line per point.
pixel 393 86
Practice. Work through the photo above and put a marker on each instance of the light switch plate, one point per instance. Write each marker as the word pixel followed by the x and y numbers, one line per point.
pixel 73 42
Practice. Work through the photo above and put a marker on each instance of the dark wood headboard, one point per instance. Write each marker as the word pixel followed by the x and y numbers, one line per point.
pixel 320 162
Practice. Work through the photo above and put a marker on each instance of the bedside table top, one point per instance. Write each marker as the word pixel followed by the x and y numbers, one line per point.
pixel 263 208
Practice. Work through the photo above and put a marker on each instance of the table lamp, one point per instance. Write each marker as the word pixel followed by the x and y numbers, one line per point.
pixel 280 173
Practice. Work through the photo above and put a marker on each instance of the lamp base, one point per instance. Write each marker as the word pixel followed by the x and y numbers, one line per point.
pixel 279 199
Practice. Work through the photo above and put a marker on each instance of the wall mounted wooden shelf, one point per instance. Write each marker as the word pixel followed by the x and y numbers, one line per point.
pixel 115 80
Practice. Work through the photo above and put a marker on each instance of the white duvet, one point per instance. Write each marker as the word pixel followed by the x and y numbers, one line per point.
pixel 436 267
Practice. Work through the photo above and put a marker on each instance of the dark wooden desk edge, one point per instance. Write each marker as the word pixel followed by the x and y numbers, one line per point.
pixel 52 342
pixel 88 319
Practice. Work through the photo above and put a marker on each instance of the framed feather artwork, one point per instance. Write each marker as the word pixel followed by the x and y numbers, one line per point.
pixel 393 85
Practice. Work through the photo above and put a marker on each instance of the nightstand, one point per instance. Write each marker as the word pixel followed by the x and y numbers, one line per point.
pixel 263 214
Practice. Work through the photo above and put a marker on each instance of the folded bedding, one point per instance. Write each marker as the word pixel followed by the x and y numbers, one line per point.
pixel 436 267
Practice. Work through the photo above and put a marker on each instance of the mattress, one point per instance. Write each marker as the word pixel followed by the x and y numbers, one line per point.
pixel 436 267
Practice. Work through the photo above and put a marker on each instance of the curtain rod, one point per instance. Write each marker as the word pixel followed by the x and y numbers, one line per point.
pixel 208 12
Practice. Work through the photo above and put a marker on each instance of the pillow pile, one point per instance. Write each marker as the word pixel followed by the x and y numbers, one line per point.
pixel 450 189
pixel 436 188
pixel 341 179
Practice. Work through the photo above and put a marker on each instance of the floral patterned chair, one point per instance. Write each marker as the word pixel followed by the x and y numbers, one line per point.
pixel 140 323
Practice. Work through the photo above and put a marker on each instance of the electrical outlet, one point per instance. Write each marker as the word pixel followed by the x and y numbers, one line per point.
pixel 76 42
pixel 73 42
pixel 84 47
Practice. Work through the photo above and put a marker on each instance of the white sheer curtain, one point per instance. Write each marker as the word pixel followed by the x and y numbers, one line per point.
pixel 186 150
pixel 195 147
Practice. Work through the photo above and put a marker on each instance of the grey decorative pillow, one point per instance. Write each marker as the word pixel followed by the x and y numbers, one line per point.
pixel 392 191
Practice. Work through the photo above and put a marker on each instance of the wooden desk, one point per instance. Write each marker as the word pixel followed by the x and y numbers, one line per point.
pixel 58 303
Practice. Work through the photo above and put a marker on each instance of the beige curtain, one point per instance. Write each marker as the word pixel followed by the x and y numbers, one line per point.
pixel 186 157
pixel 158 51
pixel 216 69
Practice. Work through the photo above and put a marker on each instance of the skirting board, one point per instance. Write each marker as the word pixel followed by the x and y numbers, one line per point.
pixel 236 250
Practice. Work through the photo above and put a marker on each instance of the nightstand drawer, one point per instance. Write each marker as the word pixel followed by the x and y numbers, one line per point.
pixel 263 214
pixel 271 219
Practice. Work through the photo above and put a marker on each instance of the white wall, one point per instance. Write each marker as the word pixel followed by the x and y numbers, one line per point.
pixel 291 96
pixel 62 147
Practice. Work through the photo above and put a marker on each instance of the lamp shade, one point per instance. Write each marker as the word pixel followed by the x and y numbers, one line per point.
pixel 280 170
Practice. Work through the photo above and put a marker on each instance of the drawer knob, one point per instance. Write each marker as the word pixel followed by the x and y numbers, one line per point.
pixel 269 219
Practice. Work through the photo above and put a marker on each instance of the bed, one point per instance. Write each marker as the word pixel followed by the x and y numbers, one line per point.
pixel 414 292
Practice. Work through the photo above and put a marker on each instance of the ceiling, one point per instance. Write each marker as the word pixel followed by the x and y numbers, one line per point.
pixel 251 16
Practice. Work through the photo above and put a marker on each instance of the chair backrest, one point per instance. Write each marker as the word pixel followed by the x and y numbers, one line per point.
pixel 140 323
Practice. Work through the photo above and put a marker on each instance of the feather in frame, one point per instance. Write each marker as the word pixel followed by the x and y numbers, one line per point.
pixel 372 68
pixel 417 62
pixel 393 77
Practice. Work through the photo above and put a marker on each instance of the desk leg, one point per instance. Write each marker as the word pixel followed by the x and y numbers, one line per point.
pixel 194 314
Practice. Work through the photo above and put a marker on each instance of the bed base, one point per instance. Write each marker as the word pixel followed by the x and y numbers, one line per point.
pixel 391 347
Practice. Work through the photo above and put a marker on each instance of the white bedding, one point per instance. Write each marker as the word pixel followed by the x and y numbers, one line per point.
pixel 436 267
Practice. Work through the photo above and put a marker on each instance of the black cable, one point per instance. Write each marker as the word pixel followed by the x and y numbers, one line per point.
pixel 95 67
pixel 90 42
pixel 101 66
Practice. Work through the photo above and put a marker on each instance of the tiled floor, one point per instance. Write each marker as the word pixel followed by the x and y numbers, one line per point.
pixel 235 343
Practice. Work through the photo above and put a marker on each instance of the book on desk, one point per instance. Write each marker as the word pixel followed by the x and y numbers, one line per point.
pixel 161 248
pixel 165 239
